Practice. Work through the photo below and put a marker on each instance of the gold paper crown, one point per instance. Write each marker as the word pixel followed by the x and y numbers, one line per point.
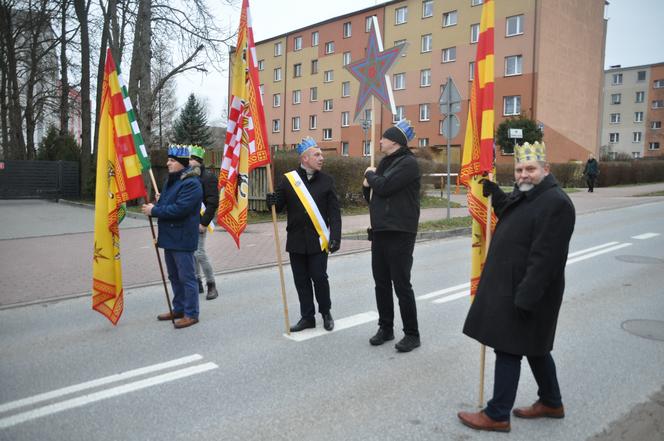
pixel 530 152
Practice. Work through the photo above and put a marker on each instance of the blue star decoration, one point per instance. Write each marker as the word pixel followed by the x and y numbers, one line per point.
pixel 371 72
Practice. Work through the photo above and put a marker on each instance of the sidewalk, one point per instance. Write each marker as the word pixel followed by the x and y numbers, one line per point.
pixel 46 248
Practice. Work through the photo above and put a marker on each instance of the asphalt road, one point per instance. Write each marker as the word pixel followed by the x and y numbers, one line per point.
pixel 67 374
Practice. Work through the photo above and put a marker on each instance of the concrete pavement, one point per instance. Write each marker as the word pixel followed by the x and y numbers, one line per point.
pixel 46 247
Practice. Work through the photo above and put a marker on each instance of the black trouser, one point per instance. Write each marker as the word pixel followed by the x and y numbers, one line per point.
pixel 590 180
pixel 506 381
pixel 391 262
pixel 308 268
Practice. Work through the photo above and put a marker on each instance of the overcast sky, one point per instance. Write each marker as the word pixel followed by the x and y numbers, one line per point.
pixel 634 36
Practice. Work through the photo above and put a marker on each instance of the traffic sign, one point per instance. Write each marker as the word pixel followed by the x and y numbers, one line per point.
pixel 451 126
pixel 450 99
pixel 516 133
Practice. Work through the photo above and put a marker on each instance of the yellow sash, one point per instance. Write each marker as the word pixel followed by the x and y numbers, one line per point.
pixel 310 206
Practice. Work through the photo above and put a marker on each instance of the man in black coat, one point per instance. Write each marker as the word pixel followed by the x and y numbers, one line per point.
pixel 515 310
pixel 313 229
pixel 393 193
pixel 211 202
pixel 591 171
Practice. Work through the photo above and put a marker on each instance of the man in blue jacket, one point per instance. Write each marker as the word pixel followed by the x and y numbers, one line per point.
pixel 178 214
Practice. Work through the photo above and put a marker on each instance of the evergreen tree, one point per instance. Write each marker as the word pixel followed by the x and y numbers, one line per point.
pixel 191 126
pixel 56 147
pixel 531 132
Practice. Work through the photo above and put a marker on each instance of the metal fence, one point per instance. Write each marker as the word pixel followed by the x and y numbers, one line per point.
pixel 39 179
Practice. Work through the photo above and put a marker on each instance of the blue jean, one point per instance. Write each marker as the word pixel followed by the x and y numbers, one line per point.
pixel 182 274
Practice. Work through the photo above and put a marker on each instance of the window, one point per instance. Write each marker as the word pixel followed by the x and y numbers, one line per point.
pixel 655 124
pixel 615 98
pixel 425 77
pixel 276 126
pixel 426 43
pixel 640 96
pixel 636 155
pixel 327 134
pixel 422 142
pixel 449 18
pixel 328 105
pixel 345 119
pixel 400 42
pixel 641 75
pixel 614 118
pixel 276 100
pixel 344 148
pixel 513 65
pixel 328 76
pixel 345 59
pixel 476 2
pixel 617 79
pixel 261 64
pixel 474 33
pixel 295 122
pixel 314 38
pixel 658 84
pixel 638 117
pixel 401 114
pixel 366 148
pixel 400 15
pixel 367 24
pixel 614 137
pixel 314 67
pixel 297 70
pixel 262 90
pixel 449 54
pixel 313 121
pixel 636 136
pixel 471 71
pixel 297 96
pixel 427 8
pixel 345 89
pixel 313 94
pixel 297 43
pixel 514 25
pixel 399 81
pixel 367 114
pixel 424 112
pixel 329 47
pixel 512 105
pixel 347 29
pixel 277 74
pixel 657 104
pixel 653 146
pixel 277 49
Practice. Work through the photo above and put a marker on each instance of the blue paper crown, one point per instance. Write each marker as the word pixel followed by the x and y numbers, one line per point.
pixel 305 145
pixel 406 129
pixel 178 151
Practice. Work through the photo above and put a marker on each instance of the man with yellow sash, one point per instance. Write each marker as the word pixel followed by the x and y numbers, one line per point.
pixel 314 230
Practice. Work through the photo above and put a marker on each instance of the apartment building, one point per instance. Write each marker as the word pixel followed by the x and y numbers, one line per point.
pixel 632 111
pixel 548 66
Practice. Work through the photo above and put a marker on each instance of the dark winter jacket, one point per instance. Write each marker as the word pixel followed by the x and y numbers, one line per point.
pixel 210 195
pixel 395 203
pixel 302 237
pixel 521 287
pixel 178 211
pixel 591 168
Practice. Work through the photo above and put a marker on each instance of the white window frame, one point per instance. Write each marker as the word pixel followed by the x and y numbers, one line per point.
pixel 345 119
pixel 638 73
pixel 345 148
pixel 471 71
pixel 367 23
pixel 614 138
pixel 297 70
pixel 401 15
pixel 448 55
pixel 345 89
pixel 514 62
pixel 476 2
pixel 639 96
pixel 654 145
pixel 450 18
pixel 426 43
pixel 261 64
pixel 327 134
pixel 474 33
pixel 347 29
pixel 328 105
pixel 314 38
pixel 617 79
pixel 366 148
pixel 277 49
pixel 518 21
pixel 346 58
pixel 329 47
pixel 277 74
pixel 425 112
pixel 637 137
pixel 515 103
pixel 313 94
pixel 638 117
pixel 423 142
pixel 314 67
pixel 313 122
pixel 658 84
pixel 655 125
pixel 614 118
pixel 399 80
pixel 297 96
pixel 276 100
pixel 425 78
pixel 616 98
pixel 401 114
pixel 427 8
pixel 276 125
pixel 328 76
pixel 295 124
pixel 636 155
pixel 297 43
pixel 658 104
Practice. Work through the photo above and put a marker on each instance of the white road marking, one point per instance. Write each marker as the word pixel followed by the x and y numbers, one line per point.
pixel 452 297
pixel 99 382
pixel 597 253
pixel 645 236
pixel 344 323
pixel 587 250
pixel 444 291
pixel 102 395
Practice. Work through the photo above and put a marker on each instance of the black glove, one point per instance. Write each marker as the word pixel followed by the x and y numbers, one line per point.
pixel 334 246
pixel 271 199
pixel 489 187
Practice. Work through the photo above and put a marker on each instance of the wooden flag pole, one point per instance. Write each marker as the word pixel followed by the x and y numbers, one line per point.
pixel 277 244
pixel 486 251
pixel 156 249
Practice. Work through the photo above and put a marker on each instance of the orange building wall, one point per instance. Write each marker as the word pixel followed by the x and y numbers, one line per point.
pixel 655 135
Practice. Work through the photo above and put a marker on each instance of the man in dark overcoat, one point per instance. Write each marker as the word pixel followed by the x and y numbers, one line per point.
pixel 591 171
pixel 515 310
pixel 178 216
pixel 313 229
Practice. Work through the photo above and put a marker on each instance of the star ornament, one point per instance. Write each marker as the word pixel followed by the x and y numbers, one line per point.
pixel 371 71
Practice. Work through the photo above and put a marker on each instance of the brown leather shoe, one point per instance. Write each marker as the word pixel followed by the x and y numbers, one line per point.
pixel 480 421
pixel 185 322
pixel 539 410
pixel 170 316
